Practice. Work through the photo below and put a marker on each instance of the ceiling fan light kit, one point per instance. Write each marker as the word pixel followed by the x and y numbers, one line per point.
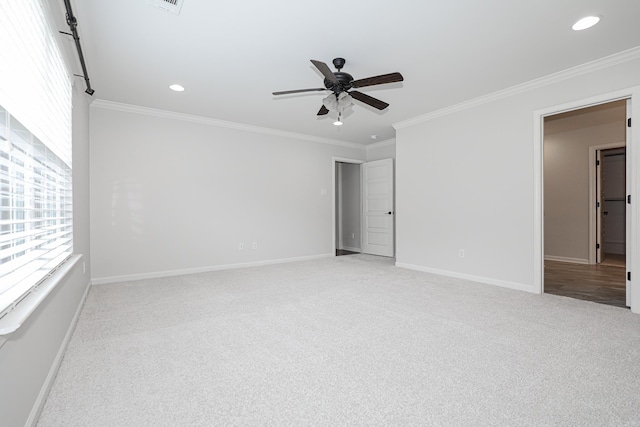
pixel 339 102
pixel 340 83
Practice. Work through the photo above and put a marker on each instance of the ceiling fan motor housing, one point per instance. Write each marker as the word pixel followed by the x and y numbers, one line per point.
pixel 344 80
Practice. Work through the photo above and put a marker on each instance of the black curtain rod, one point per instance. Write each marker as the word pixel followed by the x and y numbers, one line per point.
pixel 73 23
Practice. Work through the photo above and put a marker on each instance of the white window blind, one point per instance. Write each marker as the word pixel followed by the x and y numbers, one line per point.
pixel 34 82
pixel 36 215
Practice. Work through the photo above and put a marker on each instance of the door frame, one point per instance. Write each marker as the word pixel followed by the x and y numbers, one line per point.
pixel 334 171
pixel 632 93
pixel 592 195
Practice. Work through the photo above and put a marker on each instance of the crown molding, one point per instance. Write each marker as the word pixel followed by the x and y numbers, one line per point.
pixel 589 67
pixel 381 144
pixel 129 108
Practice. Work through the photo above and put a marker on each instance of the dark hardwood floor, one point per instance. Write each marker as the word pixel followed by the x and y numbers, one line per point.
pixel 340 252
pixel 599 283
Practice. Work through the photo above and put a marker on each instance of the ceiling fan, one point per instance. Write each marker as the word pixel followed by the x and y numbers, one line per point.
pixel 340 83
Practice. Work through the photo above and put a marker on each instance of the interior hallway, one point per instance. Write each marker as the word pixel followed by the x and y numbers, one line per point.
pixel 602 283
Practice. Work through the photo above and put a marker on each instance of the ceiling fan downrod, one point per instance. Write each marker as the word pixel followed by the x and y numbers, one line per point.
pixel 339 63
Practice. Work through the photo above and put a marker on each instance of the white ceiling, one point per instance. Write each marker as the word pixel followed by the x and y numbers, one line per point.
pixel 230 55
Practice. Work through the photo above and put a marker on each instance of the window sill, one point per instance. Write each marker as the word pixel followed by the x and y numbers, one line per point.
pixel 12 321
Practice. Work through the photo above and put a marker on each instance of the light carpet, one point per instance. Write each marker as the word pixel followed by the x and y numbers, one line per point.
pixel 349 340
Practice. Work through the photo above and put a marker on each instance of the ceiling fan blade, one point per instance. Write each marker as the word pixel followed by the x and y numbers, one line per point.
pixel 326 72
pixel 323 111
pixel 285 92
pixel 378 80
pixel 370 100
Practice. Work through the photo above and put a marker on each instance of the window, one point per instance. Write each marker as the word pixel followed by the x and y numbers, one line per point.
pixel 36 215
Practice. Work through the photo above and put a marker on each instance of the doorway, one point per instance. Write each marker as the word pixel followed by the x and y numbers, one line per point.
pixel 347 208
pixel 585 215
pixel 364 207
pixel 608 176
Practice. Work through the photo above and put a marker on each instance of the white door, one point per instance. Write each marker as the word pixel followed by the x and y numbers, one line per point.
pixel 628 205
pixel 378 208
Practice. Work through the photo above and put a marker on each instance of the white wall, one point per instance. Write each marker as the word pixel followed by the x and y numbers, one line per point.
pixel 27 358
pixel 566 183
pixel 465 180
pixel 349 206
pixel 381 150
pixel 172 196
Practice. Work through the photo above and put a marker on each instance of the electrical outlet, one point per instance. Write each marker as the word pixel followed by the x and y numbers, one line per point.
pixel 461 253
pixel 241 247
pixel 353 235
pixel 254 245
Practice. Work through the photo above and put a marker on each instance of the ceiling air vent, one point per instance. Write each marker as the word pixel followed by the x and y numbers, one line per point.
pixel 172 6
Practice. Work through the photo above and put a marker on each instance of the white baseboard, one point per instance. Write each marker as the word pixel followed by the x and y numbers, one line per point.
pixel 566 259
pixel 349 248
pixel 182 272
pixel 38 405
pixel 470 277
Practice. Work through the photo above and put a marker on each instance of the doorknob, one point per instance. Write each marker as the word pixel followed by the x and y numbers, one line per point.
pixel 389 213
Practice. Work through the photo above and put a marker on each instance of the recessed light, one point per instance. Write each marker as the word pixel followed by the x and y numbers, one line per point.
pixel 177 88
pixel 374 136
pixel 586 22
